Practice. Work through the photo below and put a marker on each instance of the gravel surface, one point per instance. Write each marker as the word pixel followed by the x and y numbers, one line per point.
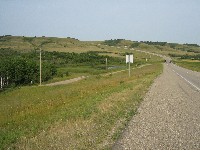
pixel 66 81
pixel 168 118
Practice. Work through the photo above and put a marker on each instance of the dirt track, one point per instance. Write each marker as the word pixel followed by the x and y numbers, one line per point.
pixel 66 81
pixel 83 77
pixel 168 118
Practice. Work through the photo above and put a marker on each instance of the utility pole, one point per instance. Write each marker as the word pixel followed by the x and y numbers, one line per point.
pixel 106 64
pixel 1 82
pixel 40 66
pixel 129 67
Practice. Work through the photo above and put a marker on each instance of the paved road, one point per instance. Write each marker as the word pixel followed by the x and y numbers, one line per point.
pixel 192 77
pixel 189 76
pixel 169 116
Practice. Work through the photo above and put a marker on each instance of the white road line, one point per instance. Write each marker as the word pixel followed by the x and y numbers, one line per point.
pixel 187 80
pixel 173 70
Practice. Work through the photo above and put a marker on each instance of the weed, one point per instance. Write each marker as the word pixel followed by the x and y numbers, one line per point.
pixel 98 76
pixel 121 82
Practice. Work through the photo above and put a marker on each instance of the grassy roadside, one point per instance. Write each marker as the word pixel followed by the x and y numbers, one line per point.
pixel 189 64
pixel 77 71
pixel 85 115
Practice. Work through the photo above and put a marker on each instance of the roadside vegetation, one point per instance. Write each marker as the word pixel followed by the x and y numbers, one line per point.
pixel 191 62
pixel 89 114
pixel 18 68
pixel 84 115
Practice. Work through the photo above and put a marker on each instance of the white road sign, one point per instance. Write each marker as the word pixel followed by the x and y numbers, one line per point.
pixel 129 58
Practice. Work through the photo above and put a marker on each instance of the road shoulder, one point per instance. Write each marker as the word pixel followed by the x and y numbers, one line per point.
pixel 168 118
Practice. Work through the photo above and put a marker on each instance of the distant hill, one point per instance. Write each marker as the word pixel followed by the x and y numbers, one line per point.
pixel 21 43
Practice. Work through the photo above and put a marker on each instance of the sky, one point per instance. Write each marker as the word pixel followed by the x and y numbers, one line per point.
pixel 175 21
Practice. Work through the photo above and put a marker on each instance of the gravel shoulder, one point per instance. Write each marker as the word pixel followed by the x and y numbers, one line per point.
pixel 168 118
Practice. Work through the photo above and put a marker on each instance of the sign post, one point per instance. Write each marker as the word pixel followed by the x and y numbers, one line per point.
pixel 129 59
pixel 40 67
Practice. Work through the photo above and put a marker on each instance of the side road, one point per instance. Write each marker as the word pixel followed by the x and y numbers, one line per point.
pixel 66 81
pixel 168 118
pixel 83 77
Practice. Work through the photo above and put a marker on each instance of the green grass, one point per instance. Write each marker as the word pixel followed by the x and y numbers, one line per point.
pixel 78 71
pixel 189 64
pixel 73 72
pixel 84 115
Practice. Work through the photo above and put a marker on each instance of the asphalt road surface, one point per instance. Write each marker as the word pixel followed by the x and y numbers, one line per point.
pixel 169 116
pixel 189 76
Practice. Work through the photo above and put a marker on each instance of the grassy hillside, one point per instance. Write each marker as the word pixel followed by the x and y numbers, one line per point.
pixel 158 47
pixel 46 43
pixel 84 115
pixel 74 45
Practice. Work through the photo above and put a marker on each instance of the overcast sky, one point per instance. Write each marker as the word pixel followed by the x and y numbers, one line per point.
pixel 153 20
